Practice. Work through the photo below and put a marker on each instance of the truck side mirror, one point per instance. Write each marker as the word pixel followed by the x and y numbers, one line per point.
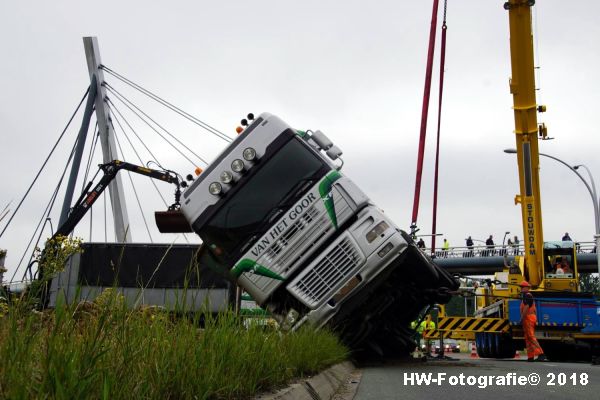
pixel 322 141
pixel 334 152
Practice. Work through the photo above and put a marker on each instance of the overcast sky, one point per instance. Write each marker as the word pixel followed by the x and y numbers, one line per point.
pixel 353 69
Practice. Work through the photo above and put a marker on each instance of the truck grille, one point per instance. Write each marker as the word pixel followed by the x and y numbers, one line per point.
pixel 329 273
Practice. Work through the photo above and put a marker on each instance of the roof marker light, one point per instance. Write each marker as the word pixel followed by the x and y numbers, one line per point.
pixel 249 154
pixel 226 177
pixel 238 166
pixel 215 188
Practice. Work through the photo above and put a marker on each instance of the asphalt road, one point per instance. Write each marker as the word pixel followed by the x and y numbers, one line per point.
pixel 492 379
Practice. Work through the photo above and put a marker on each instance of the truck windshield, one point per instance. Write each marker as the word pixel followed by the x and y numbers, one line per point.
pixel 250 212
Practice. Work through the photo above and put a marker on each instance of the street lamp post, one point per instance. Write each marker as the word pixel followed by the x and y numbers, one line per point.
pixel 591 190
pixel 504 238
pixel 597 211
pixel 504 252
pixel 594 195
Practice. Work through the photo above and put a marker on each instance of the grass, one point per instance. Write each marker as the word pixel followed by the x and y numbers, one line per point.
pixel 106 351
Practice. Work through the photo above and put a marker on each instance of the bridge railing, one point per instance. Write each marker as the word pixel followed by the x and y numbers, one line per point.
pixel 497 250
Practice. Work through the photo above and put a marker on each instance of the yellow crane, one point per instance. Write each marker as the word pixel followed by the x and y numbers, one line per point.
pixel 537 261
pixel 522 88
pixel 567 319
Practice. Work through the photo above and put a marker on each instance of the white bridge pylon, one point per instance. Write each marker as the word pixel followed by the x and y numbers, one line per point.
pixel 107 140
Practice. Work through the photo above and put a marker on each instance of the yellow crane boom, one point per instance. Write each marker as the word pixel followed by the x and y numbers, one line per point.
pixel 522 87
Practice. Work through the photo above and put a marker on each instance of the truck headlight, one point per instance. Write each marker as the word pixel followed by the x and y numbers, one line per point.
pixel 226 177
pixel 215 188
pixel 237 165
pixel 249 154
pixel 376 231
pixel 292 316
pixel 290 319
pixel 386 249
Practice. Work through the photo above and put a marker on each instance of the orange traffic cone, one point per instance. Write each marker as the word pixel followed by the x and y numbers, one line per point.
pixel 517 355
pixel 473 351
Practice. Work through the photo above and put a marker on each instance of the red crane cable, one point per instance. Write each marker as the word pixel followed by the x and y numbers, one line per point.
pixel 437 146
pixel 425 109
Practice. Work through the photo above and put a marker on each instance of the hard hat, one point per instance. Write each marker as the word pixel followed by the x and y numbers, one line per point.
pixel 524 284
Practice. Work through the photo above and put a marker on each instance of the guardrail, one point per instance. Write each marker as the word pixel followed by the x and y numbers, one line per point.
pixel 497 250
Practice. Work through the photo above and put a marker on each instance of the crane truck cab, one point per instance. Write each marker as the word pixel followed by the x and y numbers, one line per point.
pixel 560 266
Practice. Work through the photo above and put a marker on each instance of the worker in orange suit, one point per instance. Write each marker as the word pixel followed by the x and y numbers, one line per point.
pixel 528 321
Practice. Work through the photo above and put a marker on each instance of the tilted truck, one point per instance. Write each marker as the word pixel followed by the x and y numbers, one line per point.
pixel 305 242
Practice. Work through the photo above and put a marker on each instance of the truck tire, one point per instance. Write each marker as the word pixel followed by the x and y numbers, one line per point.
pixel 482 345
pixel 420 267
pixel 560 351
pixel 492 348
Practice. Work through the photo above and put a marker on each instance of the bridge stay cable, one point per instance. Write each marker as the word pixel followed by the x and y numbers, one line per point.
pixel 45 162
pixel 90 157
pixel 47 218
pixel 46 214
pixel 26 251
pixel 5 210
pixel 129 104
pixel 169 105
pixel 87 171
pixel 114 117
pixel 137 198
pixel 111 103
pixel 105 217
pixel 112 108
pixel 165 103
pixel 42 222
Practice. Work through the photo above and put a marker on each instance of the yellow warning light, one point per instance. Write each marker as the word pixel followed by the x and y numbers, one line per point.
pixel 239 129
pixel 198 171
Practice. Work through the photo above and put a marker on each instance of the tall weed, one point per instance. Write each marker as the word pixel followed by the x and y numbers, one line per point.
pixel 104 350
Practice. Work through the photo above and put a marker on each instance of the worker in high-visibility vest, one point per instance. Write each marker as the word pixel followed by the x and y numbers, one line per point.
pixel 528 321
pixel 426 325
pixel 445 248
pixel 418 336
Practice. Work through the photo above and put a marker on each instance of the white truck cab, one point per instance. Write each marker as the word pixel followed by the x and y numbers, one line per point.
pixel 300 237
